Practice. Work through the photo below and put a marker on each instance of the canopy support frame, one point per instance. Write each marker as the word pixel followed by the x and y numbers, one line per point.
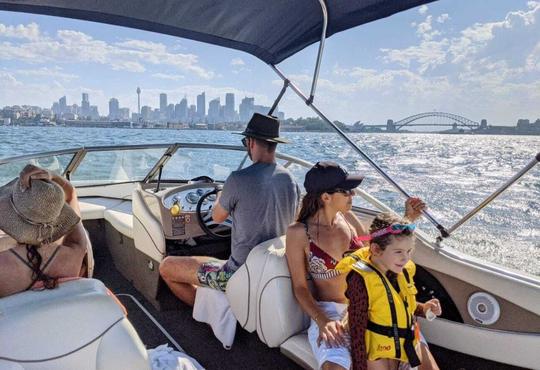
pixel 319 53
pixel 494 195
pixel 371 162
pixel 278 99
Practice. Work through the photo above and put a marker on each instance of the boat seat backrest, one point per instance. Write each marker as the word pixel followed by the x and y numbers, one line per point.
pixel 279 316
pixel 261 296
pixel 78 325
pixel 147 230
pixel 243 285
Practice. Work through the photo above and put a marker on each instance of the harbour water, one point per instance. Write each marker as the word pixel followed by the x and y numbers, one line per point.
pixel 452 173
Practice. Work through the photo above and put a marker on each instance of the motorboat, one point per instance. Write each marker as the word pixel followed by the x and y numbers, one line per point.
pixel 141 203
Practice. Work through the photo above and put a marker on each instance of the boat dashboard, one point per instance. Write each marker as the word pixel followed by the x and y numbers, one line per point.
pixel 185 209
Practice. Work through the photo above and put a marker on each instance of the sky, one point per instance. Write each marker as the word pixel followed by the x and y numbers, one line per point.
pixel 476 58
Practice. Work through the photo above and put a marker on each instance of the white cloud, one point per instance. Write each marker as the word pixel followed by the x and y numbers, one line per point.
pixel 423 9
pixel 237 62
pixel 168 76
pixel 69 47
pixel 425 29
pixel 46 72
pixel 21 31
pixel 443 18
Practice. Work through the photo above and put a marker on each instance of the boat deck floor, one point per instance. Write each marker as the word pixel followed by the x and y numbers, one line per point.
pixel 248 352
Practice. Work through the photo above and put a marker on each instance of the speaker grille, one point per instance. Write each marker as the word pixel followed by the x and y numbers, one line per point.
pixel 483 308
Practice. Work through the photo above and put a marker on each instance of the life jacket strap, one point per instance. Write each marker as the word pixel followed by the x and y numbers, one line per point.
pixel 407 334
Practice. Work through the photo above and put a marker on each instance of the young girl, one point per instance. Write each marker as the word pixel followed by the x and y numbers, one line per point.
pixel 382 302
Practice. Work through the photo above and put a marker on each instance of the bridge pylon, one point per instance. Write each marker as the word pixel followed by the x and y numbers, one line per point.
pixel 390 126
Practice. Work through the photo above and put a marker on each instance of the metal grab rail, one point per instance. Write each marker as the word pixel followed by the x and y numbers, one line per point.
pixel 494 195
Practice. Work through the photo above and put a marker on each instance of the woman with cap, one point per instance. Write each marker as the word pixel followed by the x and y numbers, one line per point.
pixel 325 230
pixel 43 238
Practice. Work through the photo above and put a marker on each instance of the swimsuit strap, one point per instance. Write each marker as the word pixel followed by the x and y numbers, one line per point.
pixel 22 259
pixel 307 231
pixel 40 275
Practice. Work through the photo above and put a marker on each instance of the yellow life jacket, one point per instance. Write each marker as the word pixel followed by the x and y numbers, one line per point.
pixel 390 331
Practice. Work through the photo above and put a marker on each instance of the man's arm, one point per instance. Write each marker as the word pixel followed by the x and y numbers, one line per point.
pixel 219 214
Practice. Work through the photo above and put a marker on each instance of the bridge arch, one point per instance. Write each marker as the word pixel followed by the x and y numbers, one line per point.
pixel 459 121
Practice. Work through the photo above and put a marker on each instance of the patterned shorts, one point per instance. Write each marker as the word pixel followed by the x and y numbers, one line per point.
pixel 213 274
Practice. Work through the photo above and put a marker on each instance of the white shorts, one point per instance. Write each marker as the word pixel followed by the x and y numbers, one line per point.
pixel 323 353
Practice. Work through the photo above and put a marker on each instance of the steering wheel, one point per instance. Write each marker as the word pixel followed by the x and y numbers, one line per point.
pixel 216 231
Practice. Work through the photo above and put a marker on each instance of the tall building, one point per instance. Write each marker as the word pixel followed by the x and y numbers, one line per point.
pixel 183 111
pixel 162 103
pixel 170 112
pixel 228 111
pixel 62 105
pixel 114 109
pixel 192 113
pixel 201 106
pixel 146 111
pixel 213 110
pixel 85 105
pixel 246 109
pixel 139 101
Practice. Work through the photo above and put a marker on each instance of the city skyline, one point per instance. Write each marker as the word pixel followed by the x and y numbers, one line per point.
pixel 454 56
pixel 167 111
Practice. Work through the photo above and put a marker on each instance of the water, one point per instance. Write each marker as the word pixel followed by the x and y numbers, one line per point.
pixel 453 173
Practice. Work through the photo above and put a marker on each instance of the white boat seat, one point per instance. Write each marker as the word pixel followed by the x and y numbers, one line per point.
pixel 261 297
pixel 147 229
pixel 242 287
pixel 279 315
pixel 78 325
pixel 121 218
pixel 93 208
pixel 298 349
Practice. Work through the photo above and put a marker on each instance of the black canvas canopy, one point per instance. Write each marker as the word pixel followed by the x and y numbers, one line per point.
pixel 271 30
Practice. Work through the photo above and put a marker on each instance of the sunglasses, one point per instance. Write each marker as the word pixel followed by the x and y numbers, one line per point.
pixel 392 229
pixel 341 191
pixel 244 141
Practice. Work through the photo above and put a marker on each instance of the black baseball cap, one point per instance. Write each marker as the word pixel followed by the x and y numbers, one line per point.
pixel 327 176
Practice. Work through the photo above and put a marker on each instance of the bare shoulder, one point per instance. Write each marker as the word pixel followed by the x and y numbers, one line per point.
pixel 296 230
pixel 296 236
pixel 352 219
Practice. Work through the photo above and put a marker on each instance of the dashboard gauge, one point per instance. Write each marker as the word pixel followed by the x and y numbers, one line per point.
pixel 200 192
pixel 192 197
pixel 212 198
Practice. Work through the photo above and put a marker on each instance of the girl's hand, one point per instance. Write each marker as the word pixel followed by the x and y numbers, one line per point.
pixel 332 333
pixel 434 306
pixel 414 207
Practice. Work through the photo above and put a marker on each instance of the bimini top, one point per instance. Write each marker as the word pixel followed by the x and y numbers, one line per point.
pixel 271 30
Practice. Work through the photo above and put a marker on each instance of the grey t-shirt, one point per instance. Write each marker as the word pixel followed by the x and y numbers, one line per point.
pixel 262 200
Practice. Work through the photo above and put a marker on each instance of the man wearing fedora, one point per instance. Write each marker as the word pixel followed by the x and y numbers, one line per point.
pixel 261 199
pixel 42 238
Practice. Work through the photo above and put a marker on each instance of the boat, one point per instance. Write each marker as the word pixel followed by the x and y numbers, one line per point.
pixel 491 314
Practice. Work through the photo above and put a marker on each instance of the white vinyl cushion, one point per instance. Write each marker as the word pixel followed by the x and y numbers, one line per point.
pixel 93 208
pixel 299 350
pixel 121 218
pixel 279 315
pixel 77 325
pixel 243 286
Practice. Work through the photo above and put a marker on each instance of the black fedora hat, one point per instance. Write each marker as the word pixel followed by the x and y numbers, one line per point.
pixel 263 127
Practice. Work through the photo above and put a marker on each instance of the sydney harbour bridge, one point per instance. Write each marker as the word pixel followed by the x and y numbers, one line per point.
pixel 442 120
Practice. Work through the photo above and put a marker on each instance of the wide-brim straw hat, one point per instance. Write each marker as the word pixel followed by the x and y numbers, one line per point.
pixel 36 216
pixel 263 127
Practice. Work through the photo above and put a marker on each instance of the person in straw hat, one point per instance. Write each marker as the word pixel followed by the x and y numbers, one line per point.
pixel 42 237
pixel 261 200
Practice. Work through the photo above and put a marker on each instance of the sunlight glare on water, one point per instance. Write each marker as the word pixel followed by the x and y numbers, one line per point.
pixel 453 173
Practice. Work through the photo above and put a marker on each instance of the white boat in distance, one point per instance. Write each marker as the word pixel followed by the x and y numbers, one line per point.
pixel 491 314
